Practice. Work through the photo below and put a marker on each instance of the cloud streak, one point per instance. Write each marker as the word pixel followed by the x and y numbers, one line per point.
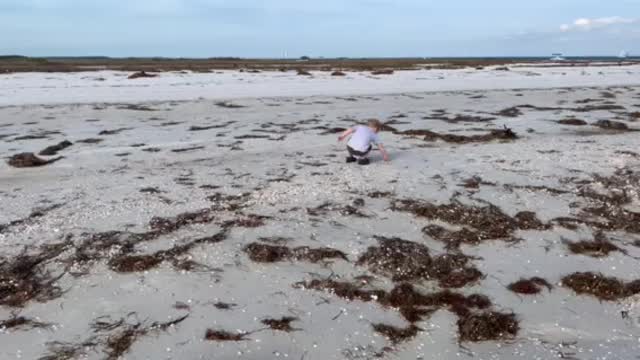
pixel 586 24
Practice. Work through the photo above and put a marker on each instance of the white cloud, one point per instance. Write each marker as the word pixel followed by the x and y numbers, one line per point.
pixel 586 24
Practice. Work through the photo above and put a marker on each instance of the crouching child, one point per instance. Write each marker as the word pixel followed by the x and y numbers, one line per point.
pixel 362 140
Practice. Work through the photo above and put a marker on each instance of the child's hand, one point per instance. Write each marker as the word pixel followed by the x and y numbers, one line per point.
pixel 386 158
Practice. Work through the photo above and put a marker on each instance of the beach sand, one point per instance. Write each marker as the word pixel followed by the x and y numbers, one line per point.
pixel 205 196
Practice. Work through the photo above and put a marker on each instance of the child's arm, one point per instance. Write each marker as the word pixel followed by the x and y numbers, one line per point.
pixel 345 134
pixel 385 155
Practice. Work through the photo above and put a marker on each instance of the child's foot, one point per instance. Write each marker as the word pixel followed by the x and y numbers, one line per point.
pixel 350 159
pixel 363 161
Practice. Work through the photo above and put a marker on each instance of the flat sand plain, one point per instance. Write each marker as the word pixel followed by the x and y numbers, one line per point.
pixel 212 216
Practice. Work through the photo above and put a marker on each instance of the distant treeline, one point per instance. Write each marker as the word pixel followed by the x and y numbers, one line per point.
pixel 307 58
pixel 18 63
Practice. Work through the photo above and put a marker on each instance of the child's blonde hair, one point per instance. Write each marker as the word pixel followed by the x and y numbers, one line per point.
pixel 374 123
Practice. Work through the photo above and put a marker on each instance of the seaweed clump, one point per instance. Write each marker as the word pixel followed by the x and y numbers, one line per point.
pixel 167 225
pixel 395 334
pixel 599 247
pixel 412 304
pixel 35 214
pixel 119 245
pixel 403 260
pixel 141 74
pixel 606 211
pixel 344 210
pixel 282 324
pixel 23 278
pixel 600 286
pixel 572 122
pixel 265 253
pixel 21 322
pixel 475 322
pixel 612 125
pixel 121 336
pixel 529 286
pixel 223 335
pixel 497 134
pixel 510 112
pixel 119 343
pixel 53 149
pixel 382 72
pixel 25 160
pixel 487 326
pixel 125 263
pixel 479 223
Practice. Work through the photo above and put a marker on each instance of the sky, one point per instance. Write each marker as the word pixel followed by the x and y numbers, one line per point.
pixel 329 28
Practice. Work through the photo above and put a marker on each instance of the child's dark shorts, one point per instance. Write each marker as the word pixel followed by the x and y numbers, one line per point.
pixel 358 153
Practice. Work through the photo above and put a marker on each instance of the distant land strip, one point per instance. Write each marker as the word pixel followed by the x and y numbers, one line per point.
pixel 16 63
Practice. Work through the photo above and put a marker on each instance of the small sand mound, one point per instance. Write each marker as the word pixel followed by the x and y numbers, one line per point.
pixel 338 73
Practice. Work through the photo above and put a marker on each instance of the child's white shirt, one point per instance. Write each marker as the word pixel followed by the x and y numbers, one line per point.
pixel 362 138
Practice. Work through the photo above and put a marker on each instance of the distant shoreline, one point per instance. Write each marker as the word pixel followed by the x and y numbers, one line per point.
pixel 16 63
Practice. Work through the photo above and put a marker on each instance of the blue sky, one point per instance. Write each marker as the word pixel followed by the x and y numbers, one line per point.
pixel 267 28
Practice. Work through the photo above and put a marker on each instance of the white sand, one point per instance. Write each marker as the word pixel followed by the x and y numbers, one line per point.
pixel 110 86
pixel 99 191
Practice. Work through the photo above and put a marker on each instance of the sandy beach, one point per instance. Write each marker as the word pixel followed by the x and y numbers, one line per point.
pixel 213 216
